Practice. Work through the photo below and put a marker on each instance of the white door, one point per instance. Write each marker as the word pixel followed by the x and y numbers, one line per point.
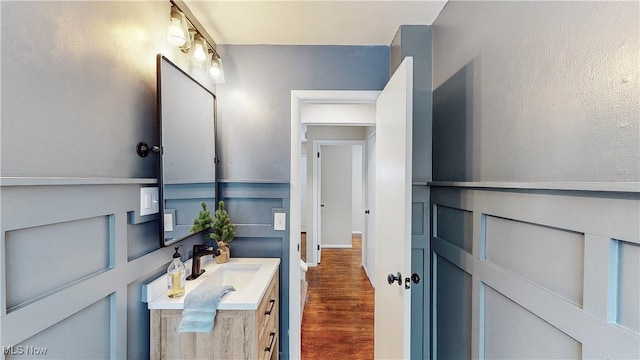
pixel 319 206
pixel 368 244
pixel 393 215
pixel 337 195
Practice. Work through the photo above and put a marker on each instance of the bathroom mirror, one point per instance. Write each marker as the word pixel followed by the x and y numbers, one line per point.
pixel 187 123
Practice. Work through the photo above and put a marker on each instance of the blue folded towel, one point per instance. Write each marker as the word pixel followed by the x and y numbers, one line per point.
pixel 200 307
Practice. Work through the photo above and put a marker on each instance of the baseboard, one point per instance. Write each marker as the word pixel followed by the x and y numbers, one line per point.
pixel 337 246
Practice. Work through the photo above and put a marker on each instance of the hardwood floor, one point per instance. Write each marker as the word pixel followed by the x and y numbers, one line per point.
pixel 338 315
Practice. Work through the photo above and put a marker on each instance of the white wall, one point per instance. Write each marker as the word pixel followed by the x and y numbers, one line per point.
pixel 357 186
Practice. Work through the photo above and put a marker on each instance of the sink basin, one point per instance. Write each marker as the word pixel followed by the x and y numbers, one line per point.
pixel 249 277
pixel 239 276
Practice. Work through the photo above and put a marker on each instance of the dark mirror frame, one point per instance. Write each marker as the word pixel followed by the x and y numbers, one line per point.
pixel 190 162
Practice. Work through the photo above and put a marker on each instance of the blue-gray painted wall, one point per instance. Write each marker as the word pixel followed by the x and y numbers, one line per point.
pixel 254 105
pixel 529 92
pixel 78 93
pixel 415 41
pixel 254 121
pixel 536 91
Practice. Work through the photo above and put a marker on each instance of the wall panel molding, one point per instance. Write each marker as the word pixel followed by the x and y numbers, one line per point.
pixel 600 280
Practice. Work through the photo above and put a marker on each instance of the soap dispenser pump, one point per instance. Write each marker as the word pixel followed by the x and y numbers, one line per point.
pixel 176 276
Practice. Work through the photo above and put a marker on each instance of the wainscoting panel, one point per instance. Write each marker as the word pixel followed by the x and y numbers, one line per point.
pixel 454 226
pixel 52 246
pixel 142 239
pixel 252 206
pixel 512 332
pixel 69 249
pixel 553 258
pixel 74 255
pixel 628 285
pixel 452 318
pixel 420 264
pixel 84 335
pixel 559 266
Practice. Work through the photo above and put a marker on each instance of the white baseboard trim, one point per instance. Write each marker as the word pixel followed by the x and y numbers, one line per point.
pixel 337 246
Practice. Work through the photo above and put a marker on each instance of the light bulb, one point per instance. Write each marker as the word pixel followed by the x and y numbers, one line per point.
pixel 199 51
pixel 214 70
pixel 175 36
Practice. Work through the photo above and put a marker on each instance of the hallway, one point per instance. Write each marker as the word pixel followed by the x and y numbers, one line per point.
pixel 338 315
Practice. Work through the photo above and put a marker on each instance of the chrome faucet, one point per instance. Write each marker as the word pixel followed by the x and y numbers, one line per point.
pixel 198 252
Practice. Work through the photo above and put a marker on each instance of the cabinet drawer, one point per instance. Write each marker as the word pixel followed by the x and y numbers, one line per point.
pixel 267 310
pixel 271 350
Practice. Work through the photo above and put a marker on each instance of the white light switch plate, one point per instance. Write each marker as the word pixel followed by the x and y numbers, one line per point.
pixel 279 221
pixel 149 203
pixel 168 222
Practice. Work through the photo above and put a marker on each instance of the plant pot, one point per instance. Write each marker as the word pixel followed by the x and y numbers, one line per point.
pixel 225 253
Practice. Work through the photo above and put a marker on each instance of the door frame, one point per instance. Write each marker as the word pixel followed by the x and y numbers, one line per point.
pixel 316 227
pixel 298 98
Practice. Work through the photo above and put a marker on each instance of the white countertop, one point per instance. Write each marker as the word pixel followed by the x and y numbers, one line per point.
pixel 246 298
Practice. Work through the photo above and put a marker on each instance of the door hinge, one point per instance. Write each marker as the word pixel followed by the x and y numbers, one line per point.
pixel 318 154
pixel 318 247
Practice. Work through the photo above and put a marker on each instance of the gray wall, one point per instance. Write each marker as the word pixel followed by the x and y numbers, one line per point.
pixel 82 92
pixel 415 41
pixel 528 92
pixel 254 105
pixel 254 115
pixel 537 91
pixel 78 93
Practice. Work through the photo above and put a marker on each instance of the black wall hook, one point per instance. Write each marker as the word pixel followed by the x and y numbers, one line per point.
pixel 143 149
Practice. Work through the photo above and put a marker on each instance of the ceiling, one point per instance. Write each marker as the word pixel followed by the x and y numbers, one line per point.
pixel 310 22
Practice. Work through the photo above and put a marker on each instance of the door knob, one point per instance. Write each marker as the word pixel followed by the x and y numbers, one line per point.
pixel 393 278
pixel 407 281
pixel 367 212
pixel 415 278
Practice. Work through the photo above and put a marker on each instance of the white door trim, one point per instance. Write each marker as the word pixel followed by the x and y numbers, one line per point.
pixel 298 97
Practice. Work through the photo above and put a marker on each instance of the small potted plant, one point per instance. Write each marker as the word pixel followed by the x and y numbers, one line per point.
pixel 222 229
pixel 203 221
pixel 223 232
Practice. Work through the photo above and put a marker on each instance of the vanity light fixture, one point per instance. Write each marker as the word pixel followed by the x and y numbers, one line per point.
pixel 178 31
pixel 215 68
pixel 188 35
pixel 199 49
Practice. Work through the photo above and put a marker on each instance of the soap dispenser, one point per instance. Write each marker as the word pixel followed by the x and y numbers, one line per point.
pixel 176 276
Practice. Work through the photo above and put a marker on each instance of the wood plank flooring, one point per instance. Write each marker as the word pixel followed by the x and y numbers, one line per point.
pixel 338 316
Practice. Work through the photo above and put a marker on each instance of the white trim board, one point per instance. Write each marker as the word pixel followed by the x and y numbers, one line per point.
pixel 632 187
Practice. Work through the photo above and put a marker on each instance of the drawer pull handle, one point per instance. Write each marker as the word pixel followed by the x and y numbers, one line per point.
pixel 272 302
pixel 271 341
